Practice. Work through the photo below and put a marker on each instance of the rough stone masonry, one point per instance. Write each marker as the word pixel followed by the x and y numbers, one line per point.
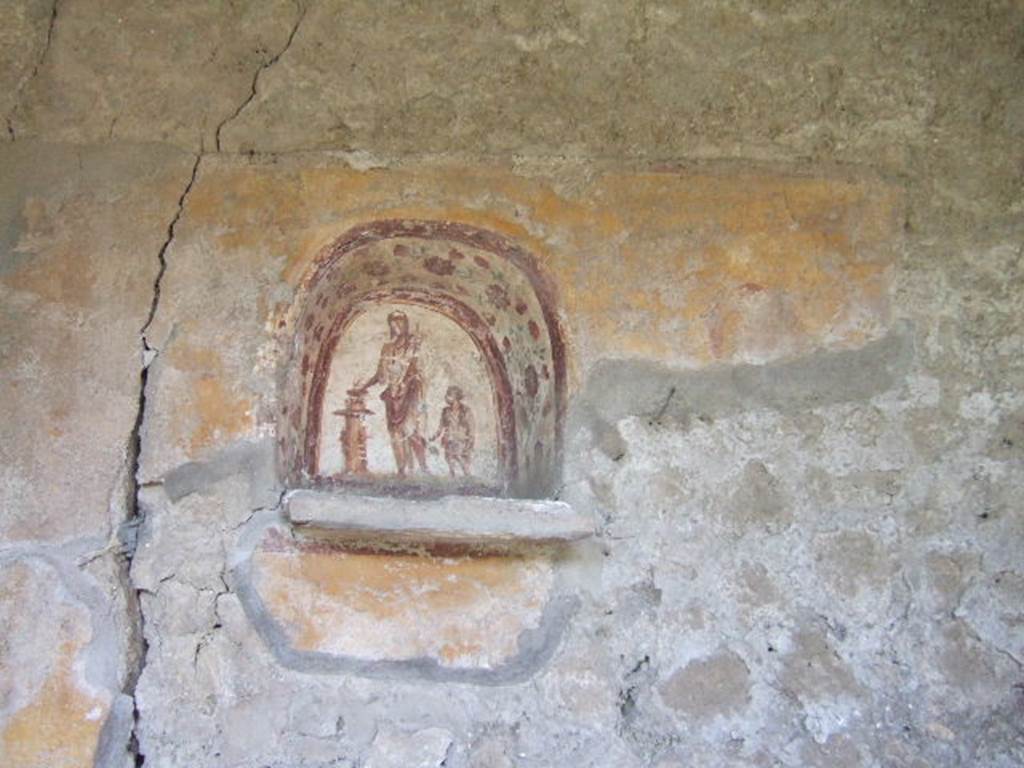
pixel 782 245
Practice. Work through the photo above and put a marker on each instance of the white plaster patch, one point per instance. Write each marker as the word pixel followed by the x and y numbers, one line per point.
pixel 924 390
pixel 980 406
pixel 394 748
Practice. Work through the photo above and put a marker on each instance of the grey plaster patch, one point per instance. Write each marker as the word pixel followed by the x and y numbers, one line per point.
pixel 616 389
pixel 253 460
pixel 535 646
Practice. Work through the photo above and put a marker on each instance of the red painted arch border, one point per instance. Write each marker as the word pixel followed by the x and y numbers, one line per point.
pixel 492 242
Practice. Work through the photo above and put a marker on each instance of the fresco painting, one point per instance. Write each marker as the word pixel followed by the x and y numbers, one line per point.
pixel 427 355
pixel 408 399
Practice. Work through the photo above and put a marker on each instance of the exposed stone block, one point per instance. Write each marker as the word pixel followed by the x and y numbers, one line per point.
pixel 705 688
pixel 394 748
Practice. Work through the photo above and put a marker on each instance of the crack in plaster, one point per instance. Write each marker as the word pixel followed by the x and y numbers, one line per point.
pixel 35 71
pixel 634 680
pixel 664 407
pixel 976 636
pixel 128 531
pixel 162 257
pixel 957 616
pixel 207 636
pixel 302 8
pixel 128 534
pixel 634 723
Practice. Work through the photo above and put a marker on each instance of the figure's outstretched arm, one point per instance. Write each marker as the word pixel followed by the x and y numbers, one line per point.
pixel 377 378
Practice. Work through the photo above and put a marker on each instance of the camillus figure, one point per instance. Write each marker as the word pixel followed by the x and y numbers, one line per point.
pixel 403 395
pixel 456 432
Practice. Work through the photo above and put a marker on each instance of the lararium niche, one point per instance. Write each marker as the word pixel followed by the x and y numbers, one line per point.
pixel 427 361
pixel 422 402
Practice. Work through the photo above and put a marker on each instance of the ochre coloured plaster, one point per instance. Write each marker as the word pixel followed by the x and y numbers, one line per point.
pixel 222 415
pixel 61 727
pixel 673 247
pixel 692 269
pixel 461 610
pixel 218 415
pixel 49 716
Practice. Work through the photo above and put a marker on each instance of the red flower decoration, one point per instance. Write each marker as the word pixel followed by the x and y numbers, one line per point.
pixel 439 266
pixel 532 382
pixel 498 296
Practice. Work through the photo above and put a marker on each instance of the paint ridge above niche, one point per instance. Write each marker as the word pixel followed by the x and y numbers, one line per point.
pixel 449 520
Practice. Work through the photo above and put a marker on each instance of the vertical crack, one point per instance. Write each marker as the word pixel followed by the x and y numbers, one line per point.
pixel 35 70
pixel 49 37
pixel 128 532
pixel 302 8
pixel 162 257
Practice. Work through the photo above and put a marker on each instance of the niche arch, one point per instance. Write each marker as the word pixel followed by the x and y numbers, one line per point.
pixel 486 284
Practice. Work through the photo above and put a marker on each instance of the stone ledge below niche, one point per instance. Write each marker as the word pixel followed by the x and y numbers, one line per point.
pixel 465 520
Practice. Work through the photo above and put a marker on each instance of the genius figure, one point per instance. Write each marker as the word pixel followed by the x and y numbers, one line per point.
pixel 403 395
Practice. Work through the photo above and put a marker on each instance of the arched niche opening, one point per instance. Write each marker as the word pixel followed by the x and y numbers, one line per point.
pixel 427 359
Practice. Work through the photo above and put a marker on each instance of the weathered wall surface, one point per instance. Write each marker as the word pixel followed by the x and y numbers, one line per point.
pixel 787 247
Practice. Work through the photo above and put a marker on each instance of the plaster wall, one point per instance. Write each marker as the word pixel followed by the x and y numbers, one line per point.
pixel 784 244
